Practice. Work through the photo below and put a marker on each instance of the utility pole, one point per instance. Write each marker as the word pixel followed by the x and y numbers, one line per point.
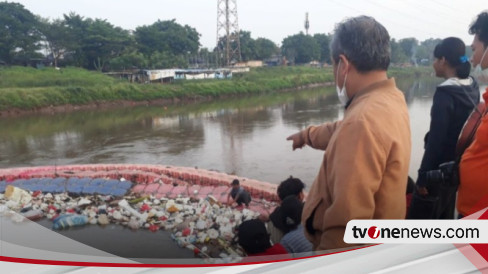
pixel 307 23
pixel 228 44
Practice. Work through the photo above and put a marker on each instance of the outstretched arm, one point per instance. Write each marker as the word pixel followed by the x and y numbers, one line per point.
pixel 228 199
pixel 314 136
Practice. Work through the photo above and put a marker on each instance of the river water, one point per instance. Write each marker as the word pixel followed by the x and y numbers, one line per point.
pixel 242 136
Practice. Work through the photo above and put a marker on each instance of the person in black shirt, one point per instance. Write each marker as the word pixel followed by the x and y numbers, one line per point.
pixel 238 194
pixel 454 100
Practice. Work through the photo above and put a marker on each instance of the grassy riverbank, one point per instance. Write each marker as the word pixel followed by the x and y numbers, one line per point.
pixel 24 88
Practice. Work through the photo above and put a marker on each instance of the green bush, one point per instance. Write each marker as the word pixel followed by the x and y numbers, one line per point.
pixel 27 88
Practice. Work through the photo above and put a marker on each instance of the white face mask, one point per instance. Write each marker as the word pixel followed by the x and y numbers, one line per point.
pixel 341 92
pixel 478 73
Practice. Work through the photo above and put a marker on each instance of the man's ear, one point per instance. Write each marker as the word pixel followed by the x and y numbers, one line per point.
pixel 443 60
pixel 345 64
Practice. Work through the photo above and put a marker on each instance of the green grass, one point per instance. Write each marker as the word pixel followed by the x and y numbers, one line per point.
pixel 29 88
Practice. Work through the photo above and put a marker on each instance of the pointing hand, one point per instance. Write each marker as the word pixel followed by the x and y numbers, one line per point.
pixel 298 141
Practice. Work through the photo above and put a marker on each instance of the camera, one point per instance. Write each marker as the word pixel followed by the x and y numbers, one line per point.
pixel 445 175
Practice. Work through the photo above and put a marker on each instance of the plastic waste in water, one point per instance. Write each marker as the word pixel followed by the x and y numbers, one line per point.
pixel 33 215
pixel 18 195
pixel 103 219
pixel 66 221
pixel 134 224
pixel 125 205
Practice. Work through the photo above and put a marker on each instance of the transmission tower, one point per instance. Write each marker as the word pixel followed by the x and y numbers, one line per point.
pixel 307 23
pixel 228 44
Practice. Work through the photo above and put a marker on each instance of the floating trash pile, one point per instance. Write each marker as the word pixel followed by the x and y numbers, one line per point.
pixel 194 214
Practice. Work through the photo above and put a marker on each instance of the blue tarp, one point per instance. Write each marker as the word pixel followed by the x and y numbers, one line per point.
pixel 19 183
pixel 3 185
pixel 72 185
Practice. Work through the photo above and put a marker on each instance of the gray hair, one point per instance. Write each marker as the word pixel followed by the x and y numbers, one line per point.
pixel 365 43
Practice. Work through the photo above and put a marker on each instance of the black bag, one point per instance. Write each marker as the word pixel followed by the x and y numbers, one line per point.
pixel 423 207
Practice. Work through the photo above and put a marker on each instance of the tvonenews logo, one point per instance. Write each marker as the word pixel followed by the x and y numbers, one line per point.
pixel 373 232
pixel 416 231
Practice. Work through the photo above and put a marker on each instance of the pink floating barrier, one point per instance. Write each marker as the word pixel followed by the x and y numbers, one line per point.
pixel 153 179
pixel 204 181
pixel 151 188
pixel 195 177
pixel 179 182
pixel 221 190
pixel 178 190
pixel 186 176
pixel 192 190
pixel 139 188
pixel 164 190
pixel 166 179
pixel 204 191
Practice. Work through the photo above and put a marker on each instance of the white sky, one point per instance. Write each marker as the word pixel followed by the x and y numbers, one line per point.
pixel 277 19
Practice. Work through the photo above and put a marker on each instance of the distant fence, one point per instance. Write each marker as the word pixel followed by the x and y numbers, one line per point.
pixel 169 75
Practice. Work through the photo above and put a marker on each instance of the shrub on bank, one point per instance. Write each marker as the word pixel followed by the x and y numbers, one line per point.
pixel 28 88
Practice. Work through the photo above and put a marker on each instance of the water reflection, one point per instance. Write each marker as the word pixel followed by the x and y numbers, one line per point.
pixel 316 110
pixel 244 136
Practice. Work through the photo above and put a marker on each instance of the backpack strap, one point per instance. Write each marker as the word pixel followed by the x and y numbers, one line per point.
pixel 469 130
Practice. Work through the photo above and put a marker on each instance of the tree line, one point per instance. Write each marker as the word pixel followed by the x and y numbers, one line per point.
pixel 96 44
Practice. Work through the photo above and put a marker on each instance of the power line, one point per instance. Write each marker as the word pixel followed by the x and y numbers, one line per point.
pixel 444 5
pixel 423 18
pixel 451 17
pixel 385 19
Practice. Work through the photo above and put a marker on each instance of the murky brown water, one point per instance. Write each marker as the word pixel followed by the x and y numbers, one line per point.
pixel 244 136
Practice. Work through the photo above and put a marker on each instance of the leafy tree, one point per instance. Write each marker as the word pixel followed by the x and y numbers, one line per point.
pixel 248 46
pixel 167 36
pixel 300 48
pixel 251 49
pixel 397 54
pixel 164 59
pixel 208 58
pixel 57 38
pixel 323 40
pixel 93 43
pixel 409 48
pixel 265 48
pixel 19 33
pixel 426 50
pixel 77 29
pixel 129 61
pixel 102 42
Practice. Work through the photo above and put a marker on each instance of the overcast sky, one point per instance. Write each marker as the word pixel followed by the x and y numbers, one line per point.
pixel 277 19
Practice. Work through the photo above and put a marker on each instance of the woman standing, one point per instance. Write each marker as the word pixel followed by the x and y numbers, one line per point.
pixel 454 99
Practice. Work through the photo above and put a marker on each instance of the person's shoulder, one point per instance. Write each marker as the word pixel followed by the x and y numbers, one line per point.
pixel 457 85
pixel 295 233
pixel 381 104
pixel 444 92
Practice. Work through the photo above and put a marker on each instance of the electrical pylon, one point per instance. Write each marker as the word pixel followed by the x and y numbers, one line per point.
pixel 228 44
